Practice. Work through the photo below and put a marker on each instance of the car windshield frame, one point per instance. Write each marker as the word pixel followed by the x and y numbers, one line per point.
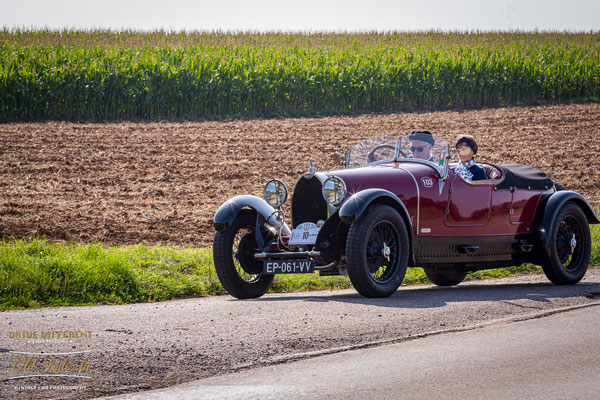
pixel 386 149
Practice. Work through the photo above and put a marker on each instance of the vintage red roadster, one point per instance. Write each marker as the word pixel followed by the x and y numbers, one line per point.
pixel 387 210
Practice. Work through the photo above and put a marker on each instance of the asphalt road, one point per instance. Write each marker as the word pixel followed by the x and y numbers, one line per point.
pixel 554 357
pixel 140 347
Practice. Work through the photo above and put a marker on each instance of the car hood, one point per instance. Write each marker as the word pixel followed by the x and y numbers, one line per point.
pixel 397 177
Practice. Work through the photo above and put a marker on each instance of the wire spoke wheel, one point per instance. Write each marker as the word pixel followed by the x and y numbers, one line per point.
pixel 568 236
pixel 570 246
pixel 233 252
pixel 377 250
pixel 382 252
pixel 243 250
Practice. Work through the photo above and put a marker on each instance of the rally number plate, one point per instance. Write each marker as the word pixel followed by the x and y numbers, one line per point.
pixel 304 234
pixel 271 267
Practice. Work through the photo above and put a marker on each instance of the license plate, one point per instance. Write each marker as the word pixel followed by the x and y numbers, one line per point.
pixel 271 267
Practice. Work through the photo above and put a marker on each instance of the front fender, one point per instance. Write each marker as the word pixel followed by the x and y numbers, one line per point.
pixel 229 210
pixel 355 205
pixel 553 206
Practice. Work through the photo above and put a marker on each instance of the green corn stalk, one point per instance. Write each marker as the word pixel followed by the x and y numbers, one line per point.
pixel 103 75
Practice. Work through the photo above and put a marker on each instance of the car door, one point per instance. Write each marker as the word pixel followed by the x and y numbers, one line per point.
pixel 469 203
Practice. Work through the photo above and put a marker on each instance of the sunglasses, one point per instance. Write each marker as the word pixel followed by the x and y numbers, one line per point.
pixel 413 149
pixel 464 150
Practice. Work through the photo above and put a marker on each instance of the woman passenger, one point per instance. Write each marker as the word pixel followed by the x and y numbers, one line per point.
pixel 466 146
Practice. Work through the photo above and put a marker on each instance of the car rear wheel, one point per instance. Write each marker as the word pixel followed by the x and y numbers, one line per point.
pixel 444 277
pixel 377 251
pixel 233 253
pixel 570 246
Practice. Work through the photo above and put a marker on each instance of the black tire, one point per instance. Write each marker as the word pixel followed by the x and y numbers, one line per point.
pixel 445 277
pixel 233 253
pixel 567 265
pixel 371 273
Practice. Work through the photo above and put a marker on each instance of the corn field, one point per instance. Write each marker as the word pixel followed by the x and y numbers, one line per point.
pixel 106 75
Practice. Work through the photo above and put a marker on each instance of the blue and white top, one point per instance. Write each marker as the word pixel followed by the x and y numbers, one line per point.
pixel 470 171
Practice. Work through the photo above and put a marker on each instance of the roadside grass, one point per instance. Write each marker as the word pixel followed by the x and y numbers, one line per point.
pixel 39 273
pixel 36 273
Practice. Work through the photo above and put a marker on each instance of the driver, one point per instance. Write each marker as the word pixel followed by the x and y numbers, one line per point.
pixel 421 144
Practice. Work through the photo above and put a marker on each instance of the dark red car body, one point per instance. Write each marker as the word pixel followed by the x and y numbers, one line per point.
pixel 452 224
pixel 443 224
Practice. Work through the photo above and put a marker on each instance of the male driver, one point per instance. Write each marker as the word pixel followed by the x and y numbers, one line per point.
pixel 421 143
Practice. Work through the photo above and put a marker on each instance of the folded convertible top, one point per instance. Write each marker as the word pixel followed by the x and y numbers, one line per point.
pixel 524 177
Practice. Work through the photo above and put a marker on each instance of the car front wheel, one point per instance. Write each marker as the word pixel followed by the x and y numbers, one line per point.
pixel 233 252
pixel 570 246
pixel 377 251
pixel 444 277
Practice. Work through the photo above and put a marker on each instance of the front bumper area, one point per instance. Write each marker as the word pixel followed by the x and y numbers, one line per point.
pixel 287 254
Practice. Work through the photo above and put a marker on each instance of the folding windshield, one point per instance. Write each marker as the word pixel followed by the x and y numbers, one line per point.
pixel 426 149
pixel 371 150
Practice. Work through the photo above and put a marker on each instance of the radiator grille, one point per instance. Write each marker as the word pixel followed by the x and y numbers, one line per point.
pixel 308 204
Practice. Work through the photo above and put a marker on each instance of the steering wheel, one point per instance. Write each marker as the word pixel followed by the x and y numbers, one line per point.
pixel 371 156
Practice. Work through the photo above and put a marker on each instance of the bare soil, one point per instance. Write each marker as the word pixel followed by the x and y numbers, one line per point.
pixel 125 183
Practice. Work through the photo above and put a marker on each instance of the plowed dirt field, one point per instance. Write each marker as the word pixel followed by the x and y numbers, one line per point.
pixel 125 183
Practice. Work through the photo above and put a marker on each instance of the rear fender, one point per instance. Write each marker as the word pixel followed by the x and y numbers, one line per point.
pixel 355 205
pixel 547 215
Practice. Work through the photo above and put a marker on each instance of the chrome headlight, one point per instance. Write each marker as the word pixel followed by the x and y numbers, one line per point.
pixel 334 190
pixel 275 192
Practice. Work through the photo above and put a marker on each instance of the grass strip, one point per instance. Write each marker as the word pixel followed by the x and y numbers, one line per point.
pixel 35 273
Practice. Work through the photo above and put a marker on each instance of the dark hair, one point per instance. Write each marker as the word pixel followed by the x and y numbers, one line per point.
pixel 469 141
pixel 424 136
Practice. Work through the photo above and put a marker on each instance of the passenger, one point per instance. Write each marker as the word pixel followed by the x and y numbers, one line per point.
pixel 421 144
pixel 466 146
